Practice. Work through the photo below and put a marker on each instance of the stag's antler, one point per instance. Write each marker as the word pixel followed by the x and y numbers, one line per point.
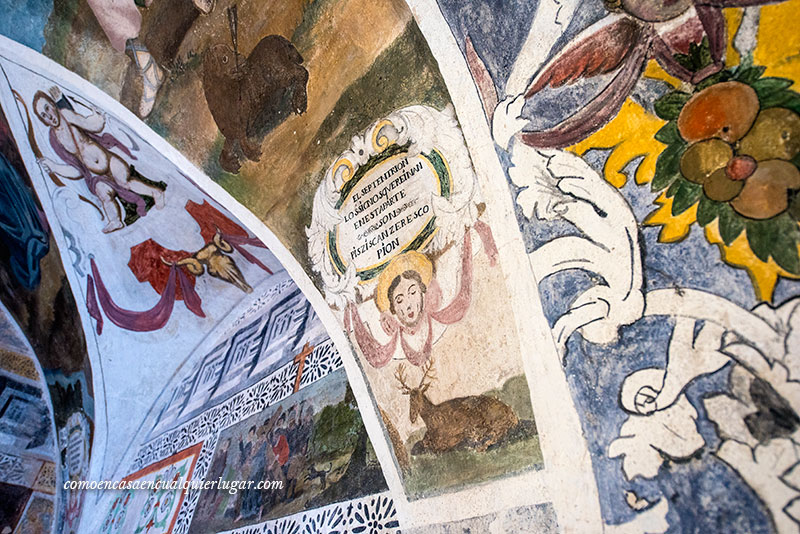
pixel 400 375
pixel 427 373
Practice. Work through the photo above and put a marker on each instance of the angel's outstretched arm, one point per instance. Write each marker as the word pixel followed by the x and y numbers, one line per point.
pixel 61 169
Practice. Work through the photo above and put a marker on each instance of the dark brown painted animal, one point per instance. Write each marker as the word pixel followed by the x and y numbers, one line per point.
pixel 477 421
pixel 248 97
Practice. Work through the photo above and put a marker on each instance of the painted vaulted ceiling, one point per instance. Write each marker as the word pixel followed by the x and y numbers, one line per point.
pixel 422 265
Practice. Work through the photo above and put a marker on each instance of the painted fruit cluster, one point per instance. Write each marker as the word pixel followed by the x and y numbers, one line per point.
pixel 739 153
pixel 733 150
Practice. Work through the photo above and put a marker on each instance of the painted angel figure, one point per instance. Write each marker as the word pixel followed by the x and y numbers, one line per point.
pixel 410 301
pixel 87 153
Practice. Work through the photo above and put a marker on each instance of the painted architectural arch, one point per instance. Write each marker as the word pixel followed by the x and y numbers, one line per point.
pixel 423 266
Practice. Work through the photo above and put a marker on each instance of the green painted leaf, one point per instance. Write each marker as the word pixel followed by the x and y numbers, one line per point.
pixel 761 235
pixel 721 76
pixel 794 203
pixel 787 258
pixel 669 106
pixel 781 99
pixel 791 101
pixel 730 224
pixel 686 195
pixel 784 258
pixel 684 60
pixel 667 167
pixel 671 158
pixel 660 181
pixel 674 187
pixel 704 54
pixel 707 210
pixel 698 57
pixel 768 86
pixel 784 248
pixel 691 60
pixel 668 134
pixel 749 75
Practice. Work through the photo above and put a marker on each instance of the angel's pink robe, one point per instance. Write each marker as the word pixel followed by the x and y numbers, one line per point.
pixel 379 354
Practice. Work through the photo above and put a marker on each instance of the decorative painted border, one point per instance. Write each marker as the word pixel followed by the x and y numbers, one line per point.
pixel 262 301
pixel 251 221
pixel 191 498
pixel 38 474
pixel 191 451
pixel 12 469
pixel 323 360
pixel 46 480
pixel 260 344
pixel 368 515
pixel 205 427
pixel 290 378
pixel 116 516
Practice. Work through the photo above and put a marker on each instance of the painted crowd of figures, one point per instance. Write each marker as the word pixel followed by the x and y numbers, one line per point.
pixel 275 450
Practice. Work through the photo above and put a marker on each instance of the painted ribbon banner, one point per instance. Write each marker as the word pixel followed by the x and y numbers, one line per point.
pixel 388 209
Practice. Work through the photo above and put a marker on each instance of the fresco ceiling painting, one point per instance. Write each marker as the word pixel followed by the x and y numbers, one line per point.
pixel 426 266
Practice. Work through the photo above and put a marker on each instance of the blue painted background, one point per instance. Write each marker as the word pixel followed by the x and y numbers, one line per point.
pixel 24 21
pixel 705 494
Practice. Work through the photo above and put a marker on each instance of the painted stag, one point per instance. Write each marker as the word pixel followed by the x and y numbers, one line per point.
pixel 475 421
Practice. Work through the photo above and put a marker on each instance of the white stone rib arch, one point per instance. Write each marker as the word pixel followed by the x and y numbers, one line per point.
pixel 569 477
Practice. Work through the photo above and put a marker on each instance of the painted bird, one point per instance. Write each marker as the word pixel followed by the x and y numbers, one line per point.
pixel 622 42
pixel 248 97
